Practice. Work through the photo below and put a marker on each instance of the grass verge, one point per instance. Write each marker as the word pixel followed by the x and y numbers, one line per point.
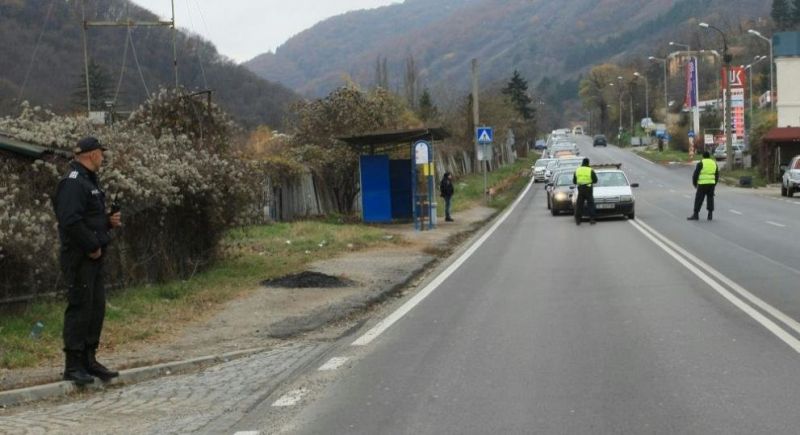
pixel 731 178
pixel 506 182
pixel 666 156
pixel 148 313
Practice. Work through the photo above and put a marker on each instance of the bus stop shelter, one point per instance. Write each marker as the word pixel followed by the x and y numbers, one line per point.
pixel 779 145
pixel 389 175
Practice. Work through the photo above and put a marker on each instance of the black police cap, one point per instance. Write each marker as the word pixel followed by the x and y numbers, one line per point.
pixel 87 144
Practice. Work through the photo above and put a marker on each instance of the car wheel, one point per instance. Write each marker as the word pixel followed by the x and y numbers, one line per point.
pixel 548 203
pixel 790 192
pixel 553 211
pixel 632 216
pixel 783 190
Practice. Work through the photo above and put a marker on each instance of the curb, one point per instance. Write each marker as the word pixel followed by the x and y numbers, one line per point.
pixel 130 376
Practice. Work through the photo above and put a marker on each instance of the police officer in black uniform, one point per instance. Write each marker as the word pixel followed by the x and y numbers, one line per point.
pixel 83 227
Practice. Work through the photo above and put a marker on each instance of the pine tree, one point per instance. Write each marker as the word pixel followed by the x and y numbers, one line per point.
pixel 781 14
pixel 517 90
pixel 427 110
pixel 99 87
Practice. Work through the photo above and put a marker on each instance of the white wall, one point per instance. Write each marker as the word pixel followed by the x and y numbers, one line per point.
pixel 788 73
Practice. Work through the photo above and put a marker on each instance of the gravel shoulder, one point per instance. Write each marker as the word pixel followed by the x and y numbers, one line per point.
pixel 273 317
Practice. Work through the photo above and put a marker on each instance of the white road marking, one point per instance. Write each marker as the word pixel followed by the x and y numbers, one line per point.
pixel 334 363
pixel 775 224
pixel 676 251
pixel 687 196
pixel 291 398
pixel 398 314
pixel 737 212
pixel 648 161
pixel 248 432
pixel 672 191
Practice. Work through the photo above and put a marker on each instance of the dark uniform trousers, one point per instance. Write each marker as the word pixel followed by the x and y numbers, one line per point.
pixel 704 191
pixel 585 195
pixel 86 301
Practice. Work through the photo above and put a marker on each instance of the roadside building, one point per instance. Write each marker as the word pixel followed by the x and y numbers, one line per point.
pixel 781 143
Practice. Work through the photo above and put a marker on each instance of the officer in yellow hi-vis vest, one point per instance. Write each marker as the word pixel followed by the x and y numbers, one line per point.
pixel 585 178
pixel 705 179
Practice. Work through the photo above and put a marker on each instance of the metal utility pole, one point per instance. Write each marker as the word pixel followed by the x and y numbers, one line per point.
pixel 646 93
pixel 125 23
pixel 476 122
pixel 727 57
pixel 666 97
pixel 771 67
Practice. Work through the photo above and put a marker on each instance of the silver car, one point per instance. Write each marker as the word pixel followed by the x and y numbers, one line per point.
pixel 790 181
pixel 540 170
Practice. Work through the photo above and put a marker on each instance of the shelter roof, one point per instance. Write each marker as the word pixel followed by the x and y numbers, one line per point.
pixel 783 134
pixel 397 137
pixel 25 149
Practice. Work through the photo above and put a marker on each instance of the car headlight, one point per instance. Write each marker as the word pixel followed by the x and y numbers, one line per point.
pixel 561 196
pixel 626 198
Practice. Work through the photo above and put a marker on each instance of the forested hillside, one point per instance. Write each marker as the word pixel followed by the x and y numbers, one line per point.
pixel 540 38
pixel 42 61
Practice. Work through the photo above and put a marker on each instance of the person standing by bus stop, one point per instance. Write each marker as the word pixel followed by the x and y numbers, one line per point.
pixel 585 178
pixel 83 228
pixel 446 191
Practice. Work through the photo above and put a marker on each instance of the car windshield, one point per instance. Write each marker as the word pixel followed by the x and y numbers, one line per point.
pixel 569 162
pixel 552 164
pixel 565 179
pixel 541 163
pixel 797 164
pixel 611 179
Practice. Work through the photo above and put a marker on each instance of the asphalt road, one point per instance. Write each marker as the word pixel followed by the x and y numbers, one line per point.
pixel 657 325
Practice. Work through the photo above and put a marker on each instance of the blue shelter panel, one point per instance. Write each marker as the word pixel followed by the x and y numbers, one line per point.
pixel 376 200
pixel 402 197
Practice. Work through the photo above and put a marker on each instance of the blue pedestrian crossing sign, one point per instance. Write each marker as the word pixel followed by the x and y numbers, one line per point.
pixel 691 133
pixel 485 135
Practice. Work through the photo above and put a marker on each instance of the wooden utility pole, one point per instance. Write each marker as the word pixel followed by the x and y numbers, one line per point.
pixel 475 107
pixel 128 24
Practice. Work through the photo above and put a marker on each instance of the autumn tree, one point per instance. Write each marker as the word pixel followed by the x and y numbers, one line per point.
pixel 596 92
pixel 347 111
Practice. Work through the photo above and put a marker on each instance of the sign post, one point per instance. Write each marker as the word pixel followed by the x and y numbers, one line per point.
pixel 485 136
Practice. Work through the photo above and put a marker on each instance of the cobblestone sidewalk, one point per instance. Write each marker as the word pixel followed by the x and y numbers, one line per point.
pixel 172 405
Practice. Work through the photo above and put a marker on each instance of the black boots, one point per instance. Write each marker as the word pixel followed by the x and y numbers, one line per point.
pixel 710 215
pixel 693 217
pixel 94 368
pixel 74 369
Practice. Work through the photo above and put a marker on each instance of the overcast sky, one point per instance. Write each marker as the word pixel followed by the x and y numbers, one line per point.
pixel 243 29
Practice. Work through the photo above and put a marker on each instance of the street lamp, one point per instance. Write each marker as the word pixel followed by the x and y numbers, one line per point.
pixel 666 98
pixel 678 44
pixel 749 69
pixel 646 94
pixel 758 34
pixel 726 56
pixel 619 114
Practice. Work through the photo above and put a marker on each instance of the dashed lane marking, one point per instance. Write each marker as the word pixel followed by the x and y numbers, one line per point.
pixel 737 212
pixel 333 364
pixel 248 432
pixel 776 224
pixel 291 398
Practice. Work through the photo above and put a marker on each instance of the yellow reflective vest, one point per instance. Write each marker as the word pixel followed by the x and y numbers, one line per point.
pixel 584 176
pixel 708 175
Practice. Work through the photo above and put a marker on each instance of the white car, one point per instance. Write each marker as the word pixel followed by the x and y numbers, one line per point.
pixel 613 193
pixel 540 170
pixel 790 181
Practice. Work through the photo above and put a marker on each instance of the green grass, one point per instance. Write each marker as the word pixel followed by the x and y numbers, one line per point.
pixel 469 189
pixel 731 178
pixel 666 156
pixel 152 312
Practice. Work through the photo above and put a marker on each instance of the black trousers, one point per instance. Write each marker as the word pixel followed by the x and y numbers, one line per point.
pixel 585 194
pixel 704 191
pixel 86 301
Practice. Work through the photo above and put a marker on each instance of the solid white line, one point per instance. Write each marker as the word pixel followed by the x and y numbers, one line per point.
pixel 384 324
pixel 648 161
pixel 774 312
pixel 757 316
pixel 737 212
pixel 775 224
pixel 291 398
pixel 334 363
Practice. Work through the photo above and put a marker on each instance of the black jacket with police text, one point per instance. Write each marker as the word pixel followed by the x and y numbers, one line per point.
pixel 80 206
